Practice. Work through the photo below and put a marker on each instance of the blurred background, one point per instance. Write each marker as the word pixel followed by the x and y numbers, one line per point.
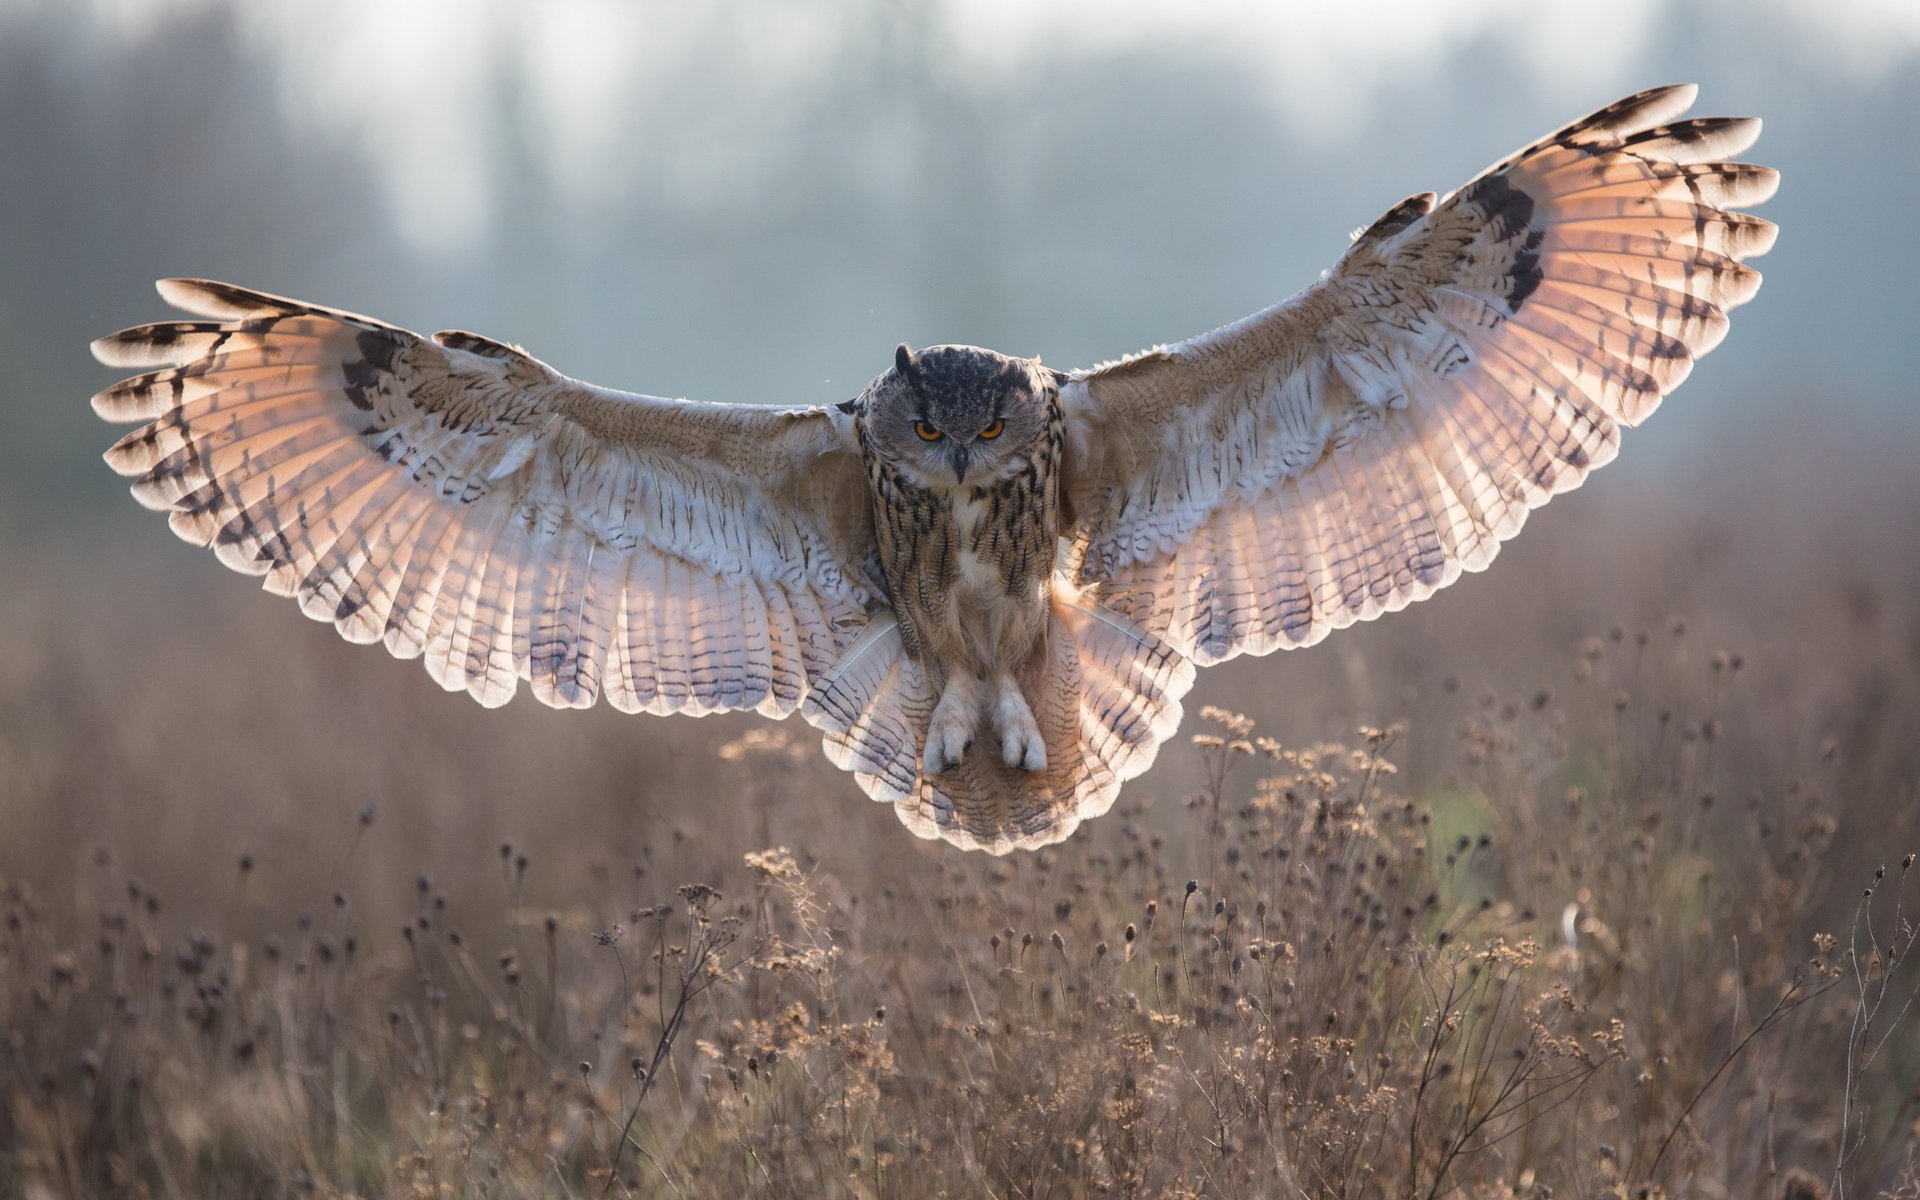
pixel 1677 719
pixel 755 202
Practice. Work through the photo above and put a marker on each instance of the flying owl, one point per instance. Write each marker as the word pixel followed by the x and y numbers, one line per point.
pixel 987 582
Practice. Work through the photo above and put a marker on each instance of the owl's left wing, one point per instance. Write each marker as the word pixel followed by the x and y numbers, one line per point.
pixel 466 504
pixel 1355 448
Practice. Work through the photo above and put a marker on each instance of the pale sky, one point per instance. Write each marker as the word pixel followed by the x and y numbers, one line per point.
pixel 412 73
pixel 743 199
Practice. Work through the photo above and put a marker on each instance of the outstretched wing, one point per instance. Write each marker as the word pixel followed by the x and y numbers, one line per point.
pixel 466 504
pixel 1357 447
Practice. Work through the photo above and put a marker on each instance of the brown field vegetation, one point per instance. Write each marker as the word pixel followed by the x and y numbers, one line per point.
pixel 1585 879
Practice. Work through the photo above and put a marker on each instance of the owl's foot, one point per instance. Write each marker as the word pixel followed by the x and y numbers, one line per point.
pixel 950 734
pixel 1021 746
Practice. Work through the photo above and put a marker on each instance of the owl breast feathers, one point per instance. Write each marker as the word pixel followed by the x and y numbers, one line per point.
pixel 1337 456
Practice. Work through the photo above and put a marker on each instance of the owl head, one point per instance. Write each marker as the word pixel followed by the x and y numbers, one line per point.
pixel 953 415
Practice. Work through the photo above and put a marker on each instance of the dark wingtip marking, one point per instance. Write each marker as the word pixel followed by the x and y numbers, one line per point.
pixel 379 347
pixel 1526 272
pixel 362 377
pixel 1508 207
pixel 1509 211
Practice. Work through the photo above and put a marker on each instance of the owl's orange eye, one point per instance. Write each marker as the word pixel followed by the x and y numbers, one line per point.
pixel 994 430
pixel 927 432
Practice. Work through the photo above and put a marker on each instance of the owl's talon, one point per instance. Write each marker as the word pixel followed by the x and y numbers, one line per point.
pixel 945 749
pixel 1021 746
pixel 950 735
pixel 1023 750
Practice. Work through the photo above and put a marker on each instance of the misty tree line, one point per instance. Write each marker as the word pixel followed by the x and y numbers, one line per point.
pixel 753 235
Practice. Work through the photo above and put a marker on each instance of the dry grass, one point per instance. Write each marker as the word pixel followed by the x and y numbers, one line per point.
pixel 1582 916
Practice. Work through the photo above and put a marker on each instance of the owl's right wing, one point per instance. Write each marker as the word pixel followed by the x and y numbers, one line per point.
pixel 462 502
pixel 1357 447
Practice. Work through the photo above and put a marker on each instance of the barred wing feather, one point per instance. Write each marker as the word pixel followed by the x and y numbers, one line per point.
pixel 1357 447
pixel 466 504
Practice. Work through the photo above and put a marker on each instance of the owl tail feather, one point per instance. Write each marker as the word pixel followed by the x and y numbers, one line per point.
pixel 1105 695
pixel 875 705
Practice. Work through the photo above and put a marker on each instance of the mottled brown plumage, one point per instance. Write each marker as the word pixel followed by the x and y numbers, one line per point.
pixel 968 533
pixel 986 582
pixel 969 562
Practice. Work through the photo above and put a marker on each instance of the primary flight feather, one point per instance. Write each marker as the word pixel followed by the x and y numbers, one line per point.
pixel 985 581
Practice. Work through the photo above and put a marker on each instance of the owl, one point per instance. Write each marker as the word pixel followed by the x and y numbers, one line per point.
pixel 988 583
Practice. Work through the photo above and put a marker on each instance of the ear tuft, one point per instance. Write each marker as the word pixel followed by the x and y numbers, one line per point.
pixel 903 363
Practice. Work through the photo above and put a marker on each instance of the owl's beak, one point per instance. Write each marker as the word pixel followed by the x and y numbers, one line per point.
pixel 957 455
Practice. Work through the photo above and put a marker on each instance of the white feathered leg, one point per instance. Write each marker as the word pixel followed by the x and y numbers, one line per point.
pixel 1021 746
pixel 955 719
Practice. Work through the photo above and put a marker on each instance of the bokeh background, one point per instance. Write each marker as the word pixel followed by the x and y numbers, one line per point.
pixel 1683 706
pixel 756 201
